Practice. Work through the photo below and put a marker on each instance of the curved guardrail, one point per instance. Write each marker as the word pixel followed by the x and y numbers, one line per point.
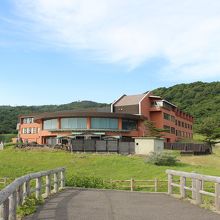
pixel 15 193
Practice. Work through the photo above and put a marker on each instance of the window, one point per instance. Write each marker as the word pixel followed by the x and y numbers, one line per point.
pixel 167 128
pixel 166 116
pixel 157 104
pixel 167 105
pixel 173 130
pixel 51 141
pixel 50 124
pixel 178 133
pixel 34 130
pixel 28 120
pixel 24 131
pixel 104 123
pixel 183 124
pixel 173 119
pixel 29 130
pixel 128 124
pixel 73 123
pixel 179 123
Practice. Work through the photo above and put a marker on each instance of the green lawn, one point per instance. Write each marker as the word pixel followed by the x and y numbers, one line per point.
pixel 15 163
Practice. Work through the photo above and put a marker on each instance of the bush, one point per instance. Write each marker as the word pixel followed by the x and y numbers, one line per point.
pixel 6 138
pixel 10 145
pixel 162 159
pixel 29 206
pixel 88 182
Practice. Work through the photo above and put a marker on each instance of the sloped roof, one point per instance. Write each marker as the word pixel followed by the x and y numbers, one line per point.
pixel 129 100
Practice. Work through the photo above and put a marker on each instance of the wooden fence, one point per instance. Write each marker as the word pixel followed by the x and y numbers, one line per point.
pixel 3 181
pixel 196 187
pixel 15 193
pixel 116 146
pixel 133 184
pixel 189 148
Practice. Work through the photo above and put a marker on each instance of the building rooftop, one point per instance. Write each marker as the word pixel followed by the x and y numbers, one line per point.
pixel 51 115
pixel 129 100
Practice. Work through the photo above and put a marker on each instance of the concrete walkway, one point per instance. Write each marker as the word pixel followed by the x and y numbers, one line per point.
pixel 82 204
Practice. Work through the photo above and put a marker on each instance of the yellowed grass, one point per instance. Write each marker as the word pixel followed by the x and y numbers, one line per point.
pixel 208 161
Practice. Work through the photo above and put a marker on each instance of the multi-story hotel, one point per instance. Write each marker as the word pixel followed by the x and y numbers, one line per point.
pixel 124 119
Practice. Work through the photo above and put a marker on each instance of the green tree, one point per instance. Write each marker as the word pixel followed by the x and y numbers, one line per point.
pixel 210 128
pixel 151 130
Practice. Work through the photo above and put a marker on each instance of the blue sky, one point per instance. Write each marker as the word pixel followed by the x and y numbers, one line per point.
pixel 54 52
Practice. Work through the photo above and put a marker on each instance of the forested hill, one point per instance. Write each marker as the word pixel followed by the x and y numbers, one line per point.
pixel 198 99
pixel 9 114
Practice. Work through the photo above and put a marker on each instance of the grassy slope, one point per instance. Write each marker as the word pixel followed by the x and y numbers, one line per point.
pixel 14 163
pixel 210 162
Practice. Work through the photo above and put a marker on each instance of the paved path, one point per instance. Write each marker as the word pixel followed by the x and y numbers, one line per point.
pixel 76 204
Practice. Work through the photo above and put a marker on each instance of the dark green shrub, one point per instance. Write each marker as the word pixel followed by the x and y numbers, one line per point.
pixel 88 182
pixel 162 159
pixel 7 138
pixel 29 206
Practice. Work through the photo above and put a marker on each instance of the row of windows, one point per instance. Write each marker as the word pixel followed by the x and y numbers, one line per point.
pixel 28 120
pixel 30 130
pixel 169 117
pixel 177 122
pixel 96 123
pixel 183 134
pixel 169 129
pixel 178 133
pixel 183 124
pixel 68 123
pixel 50 124
pixel 104 123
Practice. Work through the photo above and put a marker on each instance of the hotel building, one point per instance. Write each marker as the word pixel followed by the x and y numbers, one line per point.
pixel 124 119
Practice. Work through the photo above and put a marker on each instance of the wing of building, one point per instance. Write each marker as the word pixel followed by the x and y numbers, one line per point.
pixel 123 120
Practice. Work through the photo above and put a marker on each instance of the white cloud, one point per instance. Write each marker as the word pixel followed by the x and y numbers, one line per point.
pixel 186 33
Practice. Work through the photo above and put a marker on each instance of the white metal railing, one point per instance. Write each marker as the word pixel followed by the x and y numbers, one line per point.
pixel 197 186
pixel 15 193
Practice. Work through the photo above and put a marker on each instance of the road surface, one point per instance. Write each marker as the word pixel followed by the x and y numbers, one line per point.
pixel 86 204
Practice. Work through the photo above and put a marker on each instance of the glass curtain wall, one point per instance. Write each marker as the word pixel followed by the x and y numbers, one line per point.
pixel 50 124
pixel 73 123
pixel 104 123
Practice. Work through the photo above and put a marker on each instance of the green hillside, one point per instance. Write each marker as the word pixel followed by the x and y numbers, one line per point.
pixel 199 99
